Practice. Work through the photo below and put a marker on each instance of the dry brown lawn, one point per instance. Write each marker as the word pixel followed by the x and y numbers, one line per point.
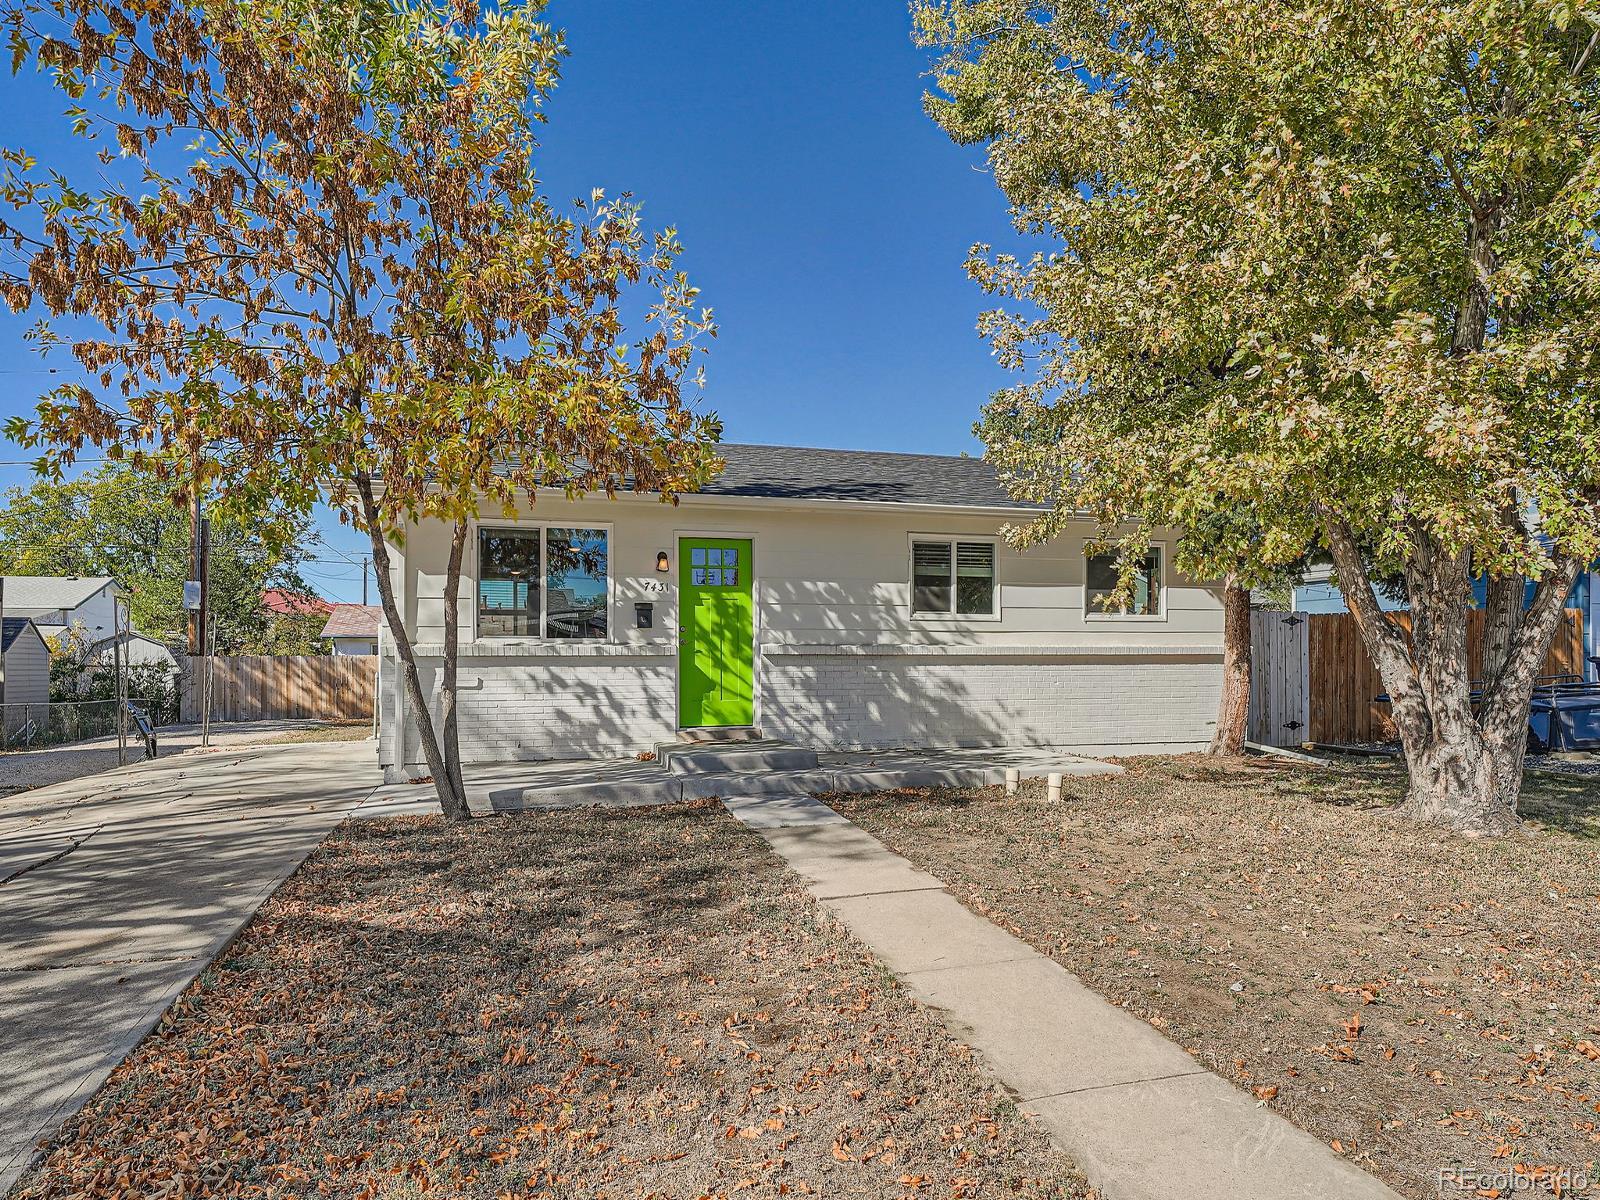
pixel 1414 999
pixel 584 1004
pixel 332 731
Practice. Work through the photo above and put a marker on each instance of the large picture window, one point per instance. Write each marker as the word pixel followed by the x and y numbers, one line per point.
pixel 1101 576
pixel 543 582
pixel 952 577
pixel 575 566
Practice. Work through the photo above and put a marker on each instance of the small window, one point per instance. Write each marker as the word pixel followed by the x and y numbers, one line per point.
pixel 953 577
pixel 576 563
pixel 930 577
pixel 1101 577
pixel 508 582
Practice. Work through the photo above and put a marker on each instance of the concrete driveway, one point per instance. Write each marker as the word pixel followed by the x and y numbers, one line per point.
pixel 117 890
pixel 24 769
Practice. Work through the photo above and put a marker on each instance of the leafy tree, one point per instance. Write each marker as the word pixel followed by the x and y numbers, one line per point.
pixel 1332 264
pixel 355 288
pixel 120 521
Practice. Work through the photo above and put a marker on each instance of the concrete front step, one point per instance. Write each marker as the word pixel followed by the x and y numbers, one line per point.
pixel 730 758
pixel 720 733
pixel 629 785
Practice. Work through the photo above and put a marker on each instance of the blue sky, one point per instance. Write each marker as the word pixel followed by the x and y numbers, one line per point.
pixel 824 217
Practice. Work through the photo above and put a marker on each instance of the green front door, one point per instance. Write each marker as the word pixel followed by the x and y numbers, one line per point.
pixel 717 643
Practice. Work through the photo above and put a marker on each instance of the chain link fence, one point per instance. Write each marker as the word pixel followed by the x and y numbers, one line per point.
pixel 30 726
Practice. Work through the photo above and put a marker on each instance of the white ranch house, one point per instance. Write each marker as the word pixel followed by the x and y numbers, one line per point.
pixel 835 599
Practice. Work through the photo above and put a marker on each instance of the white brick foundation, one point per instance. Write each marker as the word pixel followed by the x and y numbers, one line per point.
pixel 572 706
pixel 1094 705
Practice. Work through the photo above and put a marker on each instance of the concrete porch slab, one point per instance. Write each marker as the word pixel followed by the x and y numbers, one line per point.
pixel 733 758
pixel 777 783
pixel 872 770
pixel 628 783
pixel 1196 1135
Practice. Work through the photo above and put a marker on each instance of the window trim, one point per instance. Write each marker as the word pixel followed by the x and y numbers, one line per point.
pixel 1092 612
pixel 949 616
pixel 540 528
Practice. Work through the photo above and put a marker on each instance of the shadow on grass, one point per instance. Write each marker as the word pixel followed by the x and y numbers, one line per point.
pixel 1569 804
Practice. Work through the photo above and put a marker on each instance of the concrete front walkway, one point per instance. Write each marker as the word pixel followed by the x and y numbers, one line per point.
pixel 1141 1117
pixel 116 890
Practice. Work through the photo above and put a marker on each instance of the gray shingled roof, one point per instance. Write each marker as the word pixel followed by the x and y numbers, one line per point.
pixel 45 592
pixel 801 473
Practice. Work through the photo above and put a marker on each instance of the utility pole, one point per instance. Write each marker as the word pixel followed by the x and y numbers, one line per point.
pixel 121 621
pixel 2 636
pixel 196 616
pixel 207 634
pixel 364 561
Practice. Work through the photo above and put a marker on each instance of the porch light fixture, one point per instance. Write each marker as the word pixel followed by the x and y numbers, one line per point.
pixel 661 561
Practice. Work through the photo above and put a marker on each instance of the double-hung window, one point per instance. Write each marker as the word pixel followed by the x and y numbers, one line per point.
pixel 953 577
pixel 551 582
pixel 1101 577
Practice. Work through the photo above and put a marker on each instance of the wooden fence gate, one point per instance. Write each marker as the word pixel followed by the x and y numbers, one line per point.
pixel 263 687
pixel 1311 679
pixel 1280 679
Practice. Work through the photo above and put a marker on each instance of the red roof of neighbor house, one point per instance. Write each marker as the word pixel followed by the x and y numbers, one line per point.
pixel 294 604
pixel 353 621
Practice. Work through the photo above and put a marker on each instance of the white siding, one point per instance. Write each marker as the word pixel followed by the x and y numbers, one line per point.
pixel 842 661
pixel 96 614
pixel 27 670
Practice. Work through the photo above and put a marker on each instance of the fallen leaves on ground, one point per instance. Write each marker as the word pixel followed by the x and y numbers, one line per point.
pixel 1411 998
pixel 582 1004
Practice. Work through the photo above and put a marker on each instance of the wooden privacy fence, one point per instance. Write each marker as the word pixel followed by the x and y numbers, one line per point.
pixel 1311 679
pixel 260 687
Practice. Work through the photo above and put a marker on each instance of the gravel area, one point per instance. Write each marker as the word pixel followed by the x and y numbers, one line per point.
pixel 23 769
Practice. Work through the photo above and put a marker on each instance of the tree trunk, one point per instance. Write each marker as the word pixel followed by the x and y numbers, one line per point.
pixel 451 801
pixel 1465 764
pixel 1502 612
pixel 448 711
pixel 1233 712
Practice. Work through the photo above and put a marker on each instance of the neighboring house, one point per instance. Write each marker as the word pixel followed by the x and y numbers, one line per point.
pixel 294 604
pixel 831 598
pixel 27 663
pixel 1317 594
pixel 141 648
pixel 353 629
pixel 61 606
pixel 86 600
